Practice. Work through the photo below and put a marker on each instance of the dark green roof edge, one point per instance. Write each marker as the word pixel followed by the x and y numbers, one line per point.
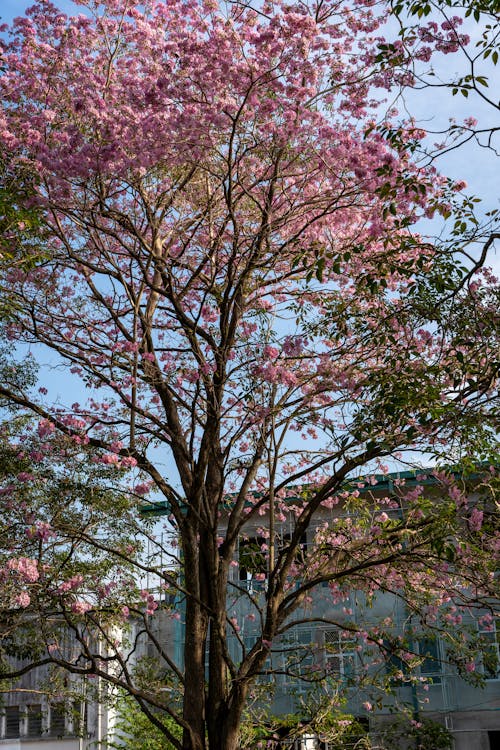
pixel 383 482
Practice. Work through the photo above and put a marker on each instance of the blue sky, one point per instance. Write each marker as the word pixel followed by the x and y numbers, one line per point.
pixel 11 8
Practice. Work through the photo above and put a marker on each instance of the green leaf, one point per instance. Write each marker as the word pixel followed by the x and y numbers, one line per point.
pixel 320 268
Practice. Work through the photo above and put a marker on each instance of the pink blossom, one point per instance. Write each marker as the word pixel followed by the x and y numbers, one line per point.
pixel 25 476
pixel 476 519
pixel 298 202
pixel 293 346
pixel 43 530
pixel 26 568
pixel 270 352
pixel 128 461
pixel 70 584
pixel 45 428
pixel 110 458
pixel 22 599
pixel 142 489
pixel 209 314
pixel 80 607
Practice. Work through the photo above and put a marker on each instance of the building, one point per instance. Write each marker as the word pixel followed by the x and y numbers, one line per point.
pixel 470 713
pixel 49 708
pixel 28 719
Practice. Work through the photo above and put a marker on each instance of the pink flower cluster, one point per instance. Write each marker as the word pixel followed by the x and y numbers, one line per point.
pixel 25 567
pixel 41 530
pixel 22 599
pixel 80 607
pixel 151 603
pixel 70 584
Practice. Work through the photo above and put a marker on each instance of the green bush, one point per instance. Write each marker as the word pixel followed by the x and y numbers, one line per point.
pixel 134 731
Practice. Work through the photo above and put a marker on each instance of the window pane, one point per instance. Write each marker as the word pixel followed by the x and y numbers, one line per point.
pixel 339 654
pixel 491 651
pixel 431 665
pixel 79 717
pixel 57 720
pixel 252 558
pixel 34 720
pixel 12 721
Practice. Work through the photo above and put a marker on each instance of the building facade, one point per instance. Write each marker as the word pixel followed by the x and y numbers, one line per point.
pixel 29 719
pixel 470 712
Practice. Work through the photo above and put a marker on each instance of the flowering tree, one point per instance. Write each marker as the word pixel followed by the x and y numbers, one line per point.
pixel 232 267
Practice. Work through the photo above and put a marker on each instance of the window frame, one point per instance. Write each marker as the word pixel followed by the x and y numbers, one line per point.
pixel 486 633
pixel 6 733
pixel 342 648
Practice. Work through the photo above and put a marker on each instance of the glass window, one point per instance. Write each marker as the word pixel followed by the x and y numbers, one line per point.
pixel 12 721
pixel 491 650
pixel 34 717
pixel 284 541
pixel 340 654
pixel 266 674
pixel 305 652
pixel 57 720
pixel 395 666
pixel 431 665
pixel 249 642
pixel 253 561
pixel 300 658
pixel 79 711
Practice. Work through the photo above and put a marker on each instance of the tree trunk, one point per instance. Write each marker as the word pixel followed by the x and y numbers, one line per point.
pixel 224 734
pixel 194 685
pixel 194 655
pixel 217 687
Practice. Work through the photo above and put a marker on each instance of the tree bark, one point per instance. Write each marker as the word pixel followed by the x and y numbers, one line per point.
pixel 226 735
pixel 196 625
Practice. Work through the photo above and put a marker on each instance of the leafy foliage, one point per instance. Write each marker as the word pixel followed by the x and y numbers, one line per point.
pixel 423 734
pixel 134 731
